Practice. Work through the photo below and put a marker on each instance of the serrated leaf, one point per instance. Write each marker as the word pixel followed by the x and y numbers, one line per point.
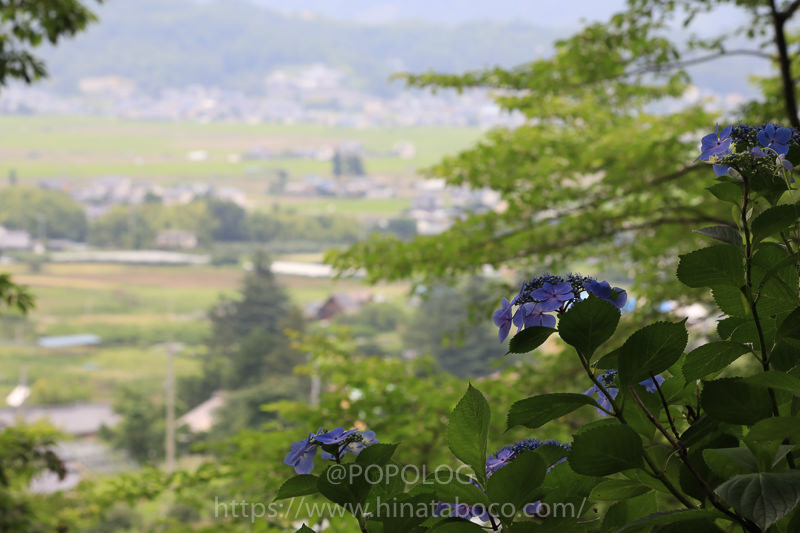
pixel 588 324
pixel 538 410
pixel 731 301
pixel 713 266
pixel 711 357
pixel 727 234
pixel 763 497
pixel 469 429
pixel 652 349
pixel 734 401
pixel 376 454
pixel 606 450
pixel 301 485
pixel 774 220
pixel 529 339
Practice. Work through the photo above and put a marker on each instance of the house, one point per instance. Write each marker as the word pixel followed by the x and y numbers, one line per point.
pixel 15 239
pixel 343 303
pixel 176 239
pixel 201 418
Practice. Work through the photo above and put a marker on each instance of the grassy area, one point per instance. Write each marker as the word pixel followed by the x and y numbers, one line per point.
pixel 132 308
pixel 80 148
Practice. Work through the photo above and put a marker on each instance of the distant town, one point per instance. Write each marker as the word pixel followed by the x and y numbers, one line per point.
pixel 314 94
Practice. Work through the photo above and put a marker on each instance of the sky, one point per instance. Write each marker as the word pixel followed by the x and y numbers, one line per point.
pixel 564 13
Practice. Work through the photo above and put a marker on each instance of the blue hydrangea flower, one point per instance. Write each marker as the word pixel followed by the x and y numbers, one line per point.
pixel 502 319
pixel 604 291
pixel 335 436
pixel 776 139
pixel 650 386
pixel 301 455
pixel 507 454
pixel 716 144
pixel 532 314
pixel 367 439
pixel 551 296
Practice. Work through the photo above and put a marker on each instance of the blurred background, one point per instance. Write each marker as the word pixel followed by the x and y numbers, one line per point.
pixel 229 223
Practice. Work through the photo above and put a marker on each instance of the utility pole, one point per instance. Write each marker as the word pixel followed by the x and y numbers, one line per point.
pixel 169 446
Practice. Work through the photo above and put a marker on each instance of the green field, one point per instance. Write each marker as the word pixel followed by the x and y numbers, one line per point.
pixel 82 148
pixel 132 308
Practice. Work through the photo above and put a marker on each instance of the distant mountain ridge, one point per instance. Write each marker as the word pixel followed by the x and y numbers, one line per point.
pixel 234 43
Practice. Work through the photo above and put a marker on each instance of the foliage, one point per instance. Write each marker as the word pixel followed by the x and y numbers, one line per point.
pixel 601 169
pixel 705 439
pixel 141 429
pixel 459 347
pixel 27 24
pixel 26 451
pixel 42 213
pixel 248 343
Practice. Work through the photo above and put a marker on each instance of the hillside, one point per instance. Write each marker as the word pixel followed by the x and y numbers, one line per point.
pixel 234 43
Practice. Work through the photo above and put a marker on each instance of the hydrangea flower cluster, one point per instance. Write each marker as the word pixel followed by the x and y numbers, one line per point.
pixel 507 454
pixel 543 295
pixel 608 380
pixel 501 458
pixel 335 445
pixel 748 147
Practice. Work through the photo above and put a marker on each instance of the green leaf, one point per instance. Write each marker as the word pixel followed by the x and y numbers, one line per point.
pixel 731 301
pixel 538 410
pixel 712 266
pixel 772 261
pixel 551 453
pixel 588 324
pixel 735 401
pixel 775 429
pixel 763 497
pixel 774 220
pixel 304 529
pixel 652 349
pixel 456 525
pixel 301 485
pixel 376 454
pixel 339 489
pixel 727 192
pixel 775 380
pixel 516 482
pixel 469 429
pixel 790 327
pixel 670 517
pixel 617 489
pixel 457 488
pixel 711 357
pixel 529 339
pixel 729 462
pixel 605 450
pixel 727 234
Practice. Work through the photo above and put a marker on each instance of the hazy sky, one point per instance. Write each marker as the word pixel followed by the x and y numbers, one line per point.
pixel 547 13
